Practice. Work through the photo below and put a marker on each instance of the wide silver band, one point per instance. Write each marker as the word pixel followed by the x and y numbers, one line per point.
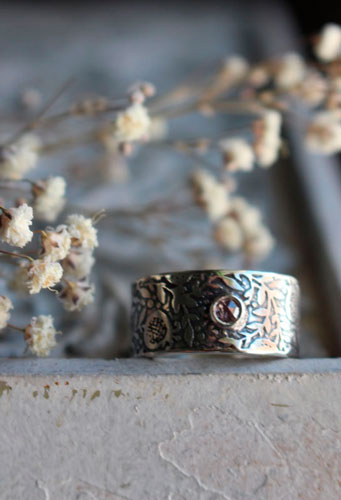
pixel 242 312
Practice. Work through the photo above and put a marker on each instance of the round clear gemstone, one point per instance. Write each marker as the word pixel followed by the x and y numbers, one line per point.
pixel 227 310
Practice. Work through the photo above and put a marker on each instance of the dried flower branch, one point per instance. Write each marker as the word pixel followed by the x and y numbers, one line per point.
pixel 40 335
pixel 15 225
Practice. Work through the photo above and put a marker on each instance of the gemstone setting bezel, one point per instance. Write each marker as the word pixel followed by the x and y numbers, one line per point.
pixel 235 324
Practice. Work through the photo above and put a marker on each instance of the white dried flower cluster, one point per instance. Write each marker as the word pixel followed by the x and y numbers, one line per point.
pixel 65 249
pixel 290 71
pixel 259 75
pixel 15 225
pixel 49 198
pixel 237 154
pixel 56 243
pixel 235 68
pixel 40 335
pixel 82 231
pixel 140 91
pixel 18 158
pixel 267 138
pixel 42 273
pixel 76 291
pixel 324 133
pixel 242 229
pixel 312 90
pixel 70 244
pixel 5 306
pixel 328 46
pixel 78 263
pixel 76 295
pixel 228 234
pixel 78 237
pixel 132 124
pixel 210 194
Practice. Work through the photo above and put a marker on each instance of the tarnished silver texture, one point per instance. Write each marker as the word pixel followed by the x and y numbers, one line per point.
pixel 241 312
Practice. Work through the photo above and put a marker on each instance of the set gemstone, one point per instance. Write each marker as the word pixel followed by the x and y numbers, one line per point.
pixel 226 310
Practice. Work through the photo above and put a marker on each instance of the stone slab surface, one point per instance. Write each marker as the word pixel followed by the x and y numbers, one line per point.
pixel 174 430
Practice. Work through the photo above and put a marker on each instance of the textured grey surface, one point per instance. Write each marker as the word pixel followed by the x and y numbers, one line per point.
pixel 124 434
pixel 205 365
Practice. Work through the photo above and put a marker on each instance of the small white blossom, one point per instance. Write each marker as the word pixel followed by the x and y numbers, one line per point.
pixel 258 76
pixel 258 245
pixel 313 89
pixel 40 335
pixel 43 274
pixel 140 90
pixel 268 140
pixel 76 295
pixel 82 231
pixel 132 124
pixel 228 234
pixel 15 225
pixel 328 46
pixel 290 72
pixel 210 194
pixel 19 157
pixel 5 306
pixel 324 133
pixel 78 263
pixel 249 217
pixel 238 154
pixel 56 243
pixel 258 241
pixel 235 67
pixel 242 228
pixel 49 199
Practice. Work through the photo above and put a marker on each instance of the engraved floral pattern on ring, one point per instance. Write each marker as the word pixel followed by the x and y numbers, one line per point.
pixel 227 311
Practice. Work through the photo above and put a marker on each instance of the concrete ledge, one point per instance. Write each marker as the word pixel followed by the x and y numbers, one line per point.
pixel 174 430
pixel 156 367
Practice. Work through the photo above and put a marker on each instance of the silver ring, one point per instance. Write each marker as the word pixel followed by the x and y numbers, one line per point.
pixel 242 312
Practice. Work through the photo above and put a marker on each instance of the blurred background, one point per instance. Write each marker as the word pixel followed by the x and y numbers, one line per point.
pixel 106 46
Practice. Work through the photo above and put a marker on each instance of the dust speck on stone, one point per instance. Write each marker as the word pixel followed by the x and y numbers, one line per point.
pixel 95 395
pixel 4 387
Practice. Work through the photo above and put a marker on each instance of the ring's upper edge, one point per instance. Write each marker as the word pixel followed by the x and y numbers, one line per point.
pixel 225 271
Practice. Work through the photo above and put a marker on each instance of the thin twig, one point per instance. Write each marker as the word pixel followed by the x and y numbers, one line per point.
pixel 14 327
pixel 33 123
pixel 16 255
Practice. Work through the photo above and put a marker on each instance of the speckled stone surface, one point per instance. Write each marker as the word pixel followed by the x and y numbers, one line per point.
pixel 152 430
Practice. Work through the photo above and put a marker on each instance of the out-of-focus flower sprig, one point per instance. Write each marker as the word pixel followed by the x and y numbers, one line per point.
pixel 267 93
pixel 52 266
